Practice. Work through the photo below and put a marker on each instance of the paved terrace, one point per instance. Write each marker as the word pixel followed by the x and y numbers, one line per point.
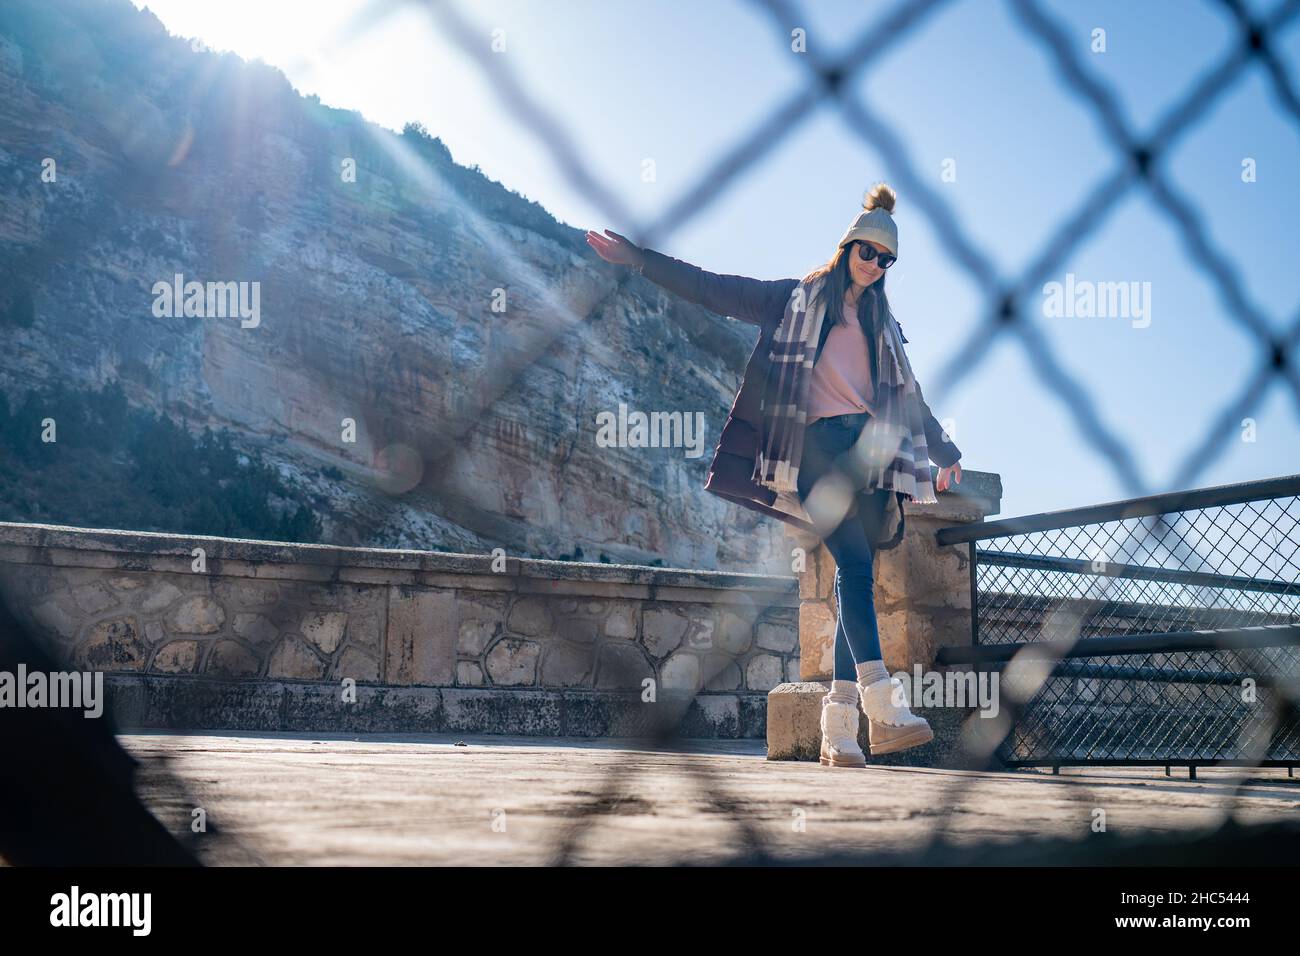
pixel 295 799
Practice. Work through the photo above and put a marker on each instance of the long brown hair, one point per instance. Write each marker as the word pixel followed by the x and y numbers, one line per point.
pixel 873 304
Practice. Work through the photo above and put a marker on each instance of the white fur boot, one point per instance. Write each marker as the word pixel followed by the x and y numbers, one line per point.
pixel 891 725
pixel 840 736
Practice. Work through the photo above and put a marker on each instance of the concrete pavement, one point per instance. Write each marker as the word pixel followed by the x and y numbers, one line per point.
pixel 301 799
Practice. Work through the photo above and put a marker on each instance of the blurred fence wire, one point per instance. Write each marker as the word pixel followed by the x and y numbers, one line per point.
pixel 1139 158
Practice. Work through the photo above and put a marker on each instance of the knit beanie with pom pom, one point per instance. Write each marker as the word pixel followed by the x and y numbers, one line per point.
pixel 876 221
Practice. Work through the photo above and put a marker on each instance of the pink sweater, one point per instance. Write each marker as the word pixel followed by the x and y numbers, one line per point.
pixel 841 379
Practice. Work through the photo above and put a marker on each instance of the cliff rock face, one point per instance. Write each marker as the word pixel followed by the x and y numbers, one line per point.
pixel 440 341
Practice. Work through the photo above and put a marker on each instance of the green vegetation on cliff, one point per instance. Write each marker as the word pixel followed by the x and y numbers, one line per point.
pixel 113 466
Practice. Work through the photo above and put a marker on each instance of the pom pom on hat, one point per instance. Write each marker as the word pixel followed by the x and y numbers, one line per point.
pixel 881 196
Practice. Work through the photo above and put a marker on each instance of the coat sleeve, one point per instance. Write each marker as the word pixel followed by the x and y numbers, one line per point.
pixel 751 300
pixel 942 452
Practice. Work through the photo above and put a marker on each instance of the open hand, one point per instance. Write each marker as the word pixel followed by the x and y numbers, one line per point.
pixel 614 248
pixel 945 474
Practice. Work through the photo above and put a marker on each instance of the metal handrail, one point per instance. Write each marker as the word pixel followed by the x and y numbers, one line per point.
pixel 1170 502
pixel 1226 639
pixel 1145 572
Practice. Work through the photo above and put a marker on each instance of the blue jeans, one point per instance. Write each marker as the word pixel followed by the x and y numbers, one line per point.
pixel 857 638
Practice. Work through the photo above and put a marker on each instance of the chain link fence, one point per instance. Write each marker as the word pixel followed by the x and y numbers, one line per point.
pixel 1179 620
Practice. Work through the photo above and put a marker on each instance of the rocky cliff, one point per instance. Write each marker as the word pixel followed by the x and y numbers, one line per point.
pixel 421 351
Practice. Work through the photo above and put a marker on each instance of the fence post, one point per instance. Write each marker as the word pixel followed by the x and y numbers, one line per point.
pixel 923 589
pixel 923 602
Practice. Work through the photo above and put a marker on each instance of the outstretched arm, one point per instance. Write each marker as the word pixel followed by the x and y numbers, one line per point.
pixel 751 300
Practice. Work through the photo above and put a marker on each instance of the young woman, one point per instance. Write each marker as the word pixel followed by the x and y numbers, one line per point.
pixel 829 432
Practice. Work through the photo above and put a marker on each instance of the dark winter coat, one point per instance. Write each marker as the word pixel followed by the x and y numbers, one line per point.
pixel 762 302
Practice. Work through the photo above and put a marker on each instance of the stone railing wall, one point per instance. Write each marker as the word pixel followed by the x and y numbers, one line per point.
pixel 922 589
pixel 922 597
pixel 274 623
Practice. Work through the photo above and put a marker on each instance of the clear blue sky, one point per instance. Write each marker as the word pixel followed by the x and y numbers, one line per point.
pixel 679 83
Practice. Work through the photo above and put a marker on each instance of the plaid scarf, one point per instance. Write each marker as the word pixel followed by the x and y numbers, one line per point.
pixel 891 448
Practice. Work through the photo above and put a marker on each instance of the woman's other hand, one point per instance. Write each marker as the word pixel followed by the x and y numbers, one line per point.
pixel 614 248
pixel 945 474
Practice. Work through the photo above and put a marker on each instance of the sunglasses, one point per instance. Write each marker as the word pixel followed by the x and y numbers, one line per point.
pixel 867 252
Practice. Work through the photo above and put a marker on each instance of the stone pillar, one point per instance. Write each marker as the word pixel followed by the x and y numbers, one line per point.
pixel 923 602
